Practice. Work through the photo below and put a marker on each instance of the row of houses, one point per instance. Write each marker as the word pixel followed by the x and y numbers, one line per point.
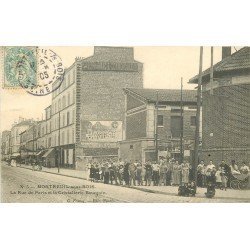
pixel 101 111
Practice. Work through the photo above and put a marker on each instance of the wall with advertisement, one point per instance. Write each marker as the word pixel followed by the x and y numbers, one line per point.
pixel 100 133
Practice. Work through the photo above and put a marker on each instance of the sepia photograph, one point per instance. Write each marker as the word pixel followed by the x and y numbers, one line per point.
pixel 125 124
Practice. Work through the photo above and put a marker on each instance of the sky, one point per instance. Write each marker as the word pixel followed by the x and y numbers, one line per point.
pixel 163 68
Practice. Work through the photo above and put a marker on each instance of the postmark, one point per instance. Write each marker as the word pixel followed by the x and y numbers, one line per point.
pixel 39 71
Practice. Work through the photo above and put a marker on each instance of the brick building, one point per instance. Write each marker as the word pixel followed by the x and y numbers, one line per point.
pixel 226 108
pixel 85 119
pixel 143 121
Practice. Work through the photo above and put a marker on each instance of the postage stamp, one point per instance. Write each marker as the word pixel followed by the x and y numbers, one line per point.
pixel 20 67
pixel 39 71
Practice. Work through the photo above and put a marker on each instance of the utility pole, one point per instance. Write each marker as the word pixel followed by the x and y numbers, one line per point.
pixel 197 128
pixel 181 132
pixel 33 141
pixel 59 142
pixel 156 126
pixel 212 70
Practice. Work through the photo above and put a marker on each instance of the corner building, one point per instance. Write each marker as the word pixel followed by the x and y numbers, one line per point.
pixel 85 120
pixel 226 108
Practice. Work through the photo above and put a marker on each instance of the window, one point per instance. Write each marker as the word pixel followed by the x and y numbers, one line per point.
pixel 49 142
pixel 73 135
pixel 64 102
pixel 131 147
pixel 63 137
pixel 193 120
pixel 68 118
pixel 176 125
pixel 69 79
pixel 63 121
pixel 67 136
pixel 74 95
pixel 160 120
pixel 69 99
pixel 73 75
pixel 73 116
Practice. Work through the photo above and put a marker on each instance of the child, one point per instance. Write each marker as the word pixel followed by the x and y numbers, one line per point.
pixel 192 189
pixel 223 179
pixel 218 178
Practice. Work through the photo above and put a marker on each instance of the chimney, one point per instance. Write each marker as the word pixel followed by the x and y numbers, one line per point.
pixel 226 51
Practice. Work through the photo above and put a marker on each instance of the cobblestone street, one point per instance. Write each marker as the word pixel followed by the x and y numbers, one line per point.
pixel 21 184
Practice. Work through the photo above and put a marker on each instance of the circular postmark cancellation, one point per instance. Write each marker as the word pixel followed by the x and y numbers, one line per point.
pixel 38 70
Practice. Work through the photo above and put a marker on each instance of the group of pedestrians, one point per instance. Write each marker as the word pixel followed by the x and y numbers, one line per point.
pixel 162 173
pixel 219 176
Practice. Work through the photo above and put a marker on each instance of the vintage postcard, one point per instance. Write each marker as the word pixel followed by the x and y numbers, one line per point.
pixel 125 124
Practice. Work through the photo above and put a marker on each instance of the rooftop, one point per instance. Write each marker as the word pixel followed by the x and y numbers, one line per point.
pixel 238 61
pixel 164 95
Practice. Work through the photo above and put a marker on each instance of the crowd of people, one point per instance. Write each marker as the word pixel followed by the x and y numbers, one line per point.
pixel 219 176
pixel 162 173
pixel 165 172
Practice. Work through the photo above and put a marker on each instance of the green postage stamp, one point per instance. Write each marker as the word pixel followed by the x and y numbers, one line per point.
pixel 20 67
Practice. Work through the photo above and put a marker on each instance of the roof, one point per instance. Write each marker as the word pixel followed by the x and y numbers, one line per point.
pixel 23 123
pixel 240 60
pixel 165 95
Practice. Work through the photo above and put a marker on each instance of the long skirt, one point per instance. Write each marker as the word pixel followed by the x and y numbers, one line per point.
pixel 106 177
pixel 176 177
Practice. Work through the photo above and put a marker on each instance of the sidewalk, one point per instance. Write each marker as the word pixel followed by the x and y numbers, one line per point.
pixel 167 190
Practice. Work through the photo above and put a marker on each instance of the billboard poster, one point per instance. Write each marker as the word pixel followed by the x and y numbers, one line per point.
pixel 101 131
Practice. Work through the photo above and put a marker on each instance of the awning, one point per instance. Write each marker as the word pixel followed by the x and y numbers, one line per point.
pixel 48 152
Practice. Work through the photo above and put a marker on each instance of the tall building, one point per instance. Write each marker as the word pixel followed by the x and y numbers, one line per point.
pixel 85 120
pixel 226 108
pixel 154 124
pixel 16 130
pixel 5 144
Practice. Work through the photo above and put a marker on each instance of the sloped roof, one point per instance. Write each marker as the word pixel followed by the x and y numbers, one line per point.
pixel 240 60
pixel 165 95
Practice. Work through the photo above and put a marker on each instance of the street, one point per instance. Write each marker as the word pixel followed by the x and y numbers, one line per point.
pixel 25 185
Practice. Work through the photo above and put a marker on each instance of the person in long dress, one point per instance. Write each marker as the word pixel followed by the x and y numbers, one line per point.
pixel 185 173
pixel 176 173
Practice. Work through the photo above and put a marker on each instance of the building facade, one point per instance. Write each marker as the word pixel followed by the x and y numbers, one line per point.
pixel 29 143
pixel 16 130
pixel 226 108
pixel 5 144
pixel 154 124
pixel 85 119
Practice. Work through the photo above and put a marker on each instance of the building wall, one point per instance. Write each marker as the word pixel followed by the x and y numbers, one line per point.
pixel 226 123
pixel 15 137
pixel 63 108
pixel 100 82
